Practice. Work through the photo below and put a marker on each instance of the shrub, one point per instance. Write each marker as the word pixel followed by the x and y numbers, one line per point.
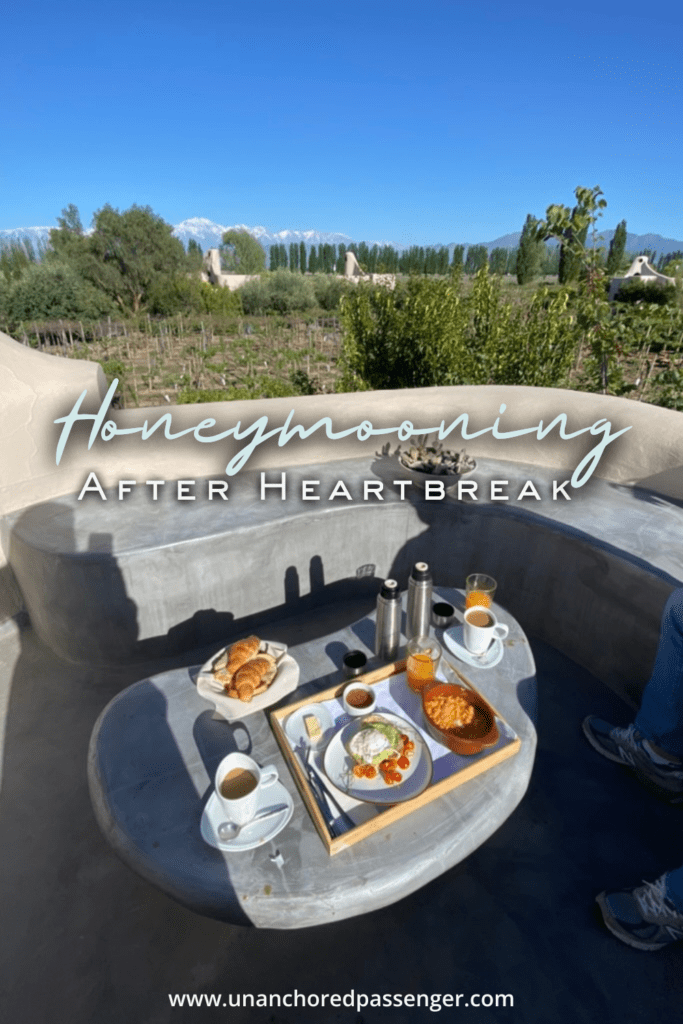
pixel 182 294
pixel 406 338
pixel 329 290
pixel 425 334
pixel 278 292
pixel 53 290
pixel 220 301
pixel 638 290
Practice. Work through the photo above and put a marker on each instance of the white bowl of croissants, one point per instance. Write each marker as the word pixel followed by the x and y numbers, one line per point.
pixel 247 676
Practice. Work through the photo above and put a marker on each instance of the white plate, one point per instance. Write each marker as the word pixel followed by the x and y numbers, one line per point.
pixel 296 730
pixel 338 765
pixel 255 834
pixel 455 642
pixel 232 709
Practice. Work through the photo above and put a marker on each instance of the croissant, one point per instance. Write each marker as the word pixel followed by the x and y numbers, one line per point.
pixel 243 672
pixel 248 674
pixel 241 652
pixel 245 691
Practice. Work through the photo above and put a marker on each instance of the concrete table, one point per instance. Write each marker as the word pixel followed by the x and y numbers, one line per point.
pixel 153 756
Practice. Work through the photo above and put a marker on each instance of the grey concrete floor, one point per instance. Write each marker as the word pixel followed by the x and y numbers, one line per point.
pixel 85 940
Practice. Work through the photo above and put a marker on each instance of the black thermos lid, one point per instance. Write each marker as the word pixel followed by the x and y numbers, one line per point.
pixel 390 590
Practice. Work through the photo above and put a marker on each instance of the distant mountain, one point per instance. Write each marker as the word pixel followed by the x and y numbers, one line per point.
pixel 36 235
pixel 634 243
pixel 209 235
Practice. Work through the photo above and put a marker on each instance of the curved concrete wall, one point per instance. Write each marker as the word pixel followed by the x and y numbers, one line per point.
pixel 35 389
pixel 147 580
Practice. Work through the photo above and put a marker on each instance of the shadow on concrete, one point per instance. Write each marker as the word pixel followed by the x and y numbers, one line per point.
pixel 517 917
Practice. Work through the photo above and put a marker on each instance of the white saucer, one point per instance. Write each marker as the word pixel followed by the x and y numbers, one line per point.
pixel 255 834
pixel 454 640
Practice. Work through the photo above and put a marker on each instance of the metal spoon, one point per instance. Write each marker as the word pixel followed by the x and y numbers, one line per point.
pixel 228 830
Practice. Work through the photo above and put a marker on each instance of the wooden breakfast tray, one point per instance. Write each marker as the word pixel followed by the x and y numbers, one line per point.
pixel 461 772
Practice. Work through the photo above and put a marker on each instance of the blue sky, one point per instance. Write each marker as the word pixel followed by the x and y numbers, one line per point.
pixel 416 123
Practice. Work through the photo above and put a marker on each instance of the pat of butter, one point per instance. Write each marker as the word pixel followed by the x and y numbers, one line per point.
pixel 312 727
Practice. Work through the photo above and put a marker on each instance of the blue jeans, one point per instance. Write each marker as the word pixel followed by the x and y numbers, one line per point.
pixel 660 718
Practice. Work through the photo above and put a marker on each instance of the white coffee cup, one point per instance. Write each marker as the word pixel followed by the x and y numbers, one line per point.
pixel 238 783
pixel 481 629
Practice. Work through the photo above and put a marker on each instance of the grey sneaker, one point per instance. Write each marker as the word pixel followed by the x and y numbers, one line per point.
pixel 625 746
pixel 643 917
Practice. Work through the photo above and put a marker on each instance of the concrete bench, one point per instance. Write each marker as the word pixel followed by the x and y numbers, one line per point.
pixel 117 581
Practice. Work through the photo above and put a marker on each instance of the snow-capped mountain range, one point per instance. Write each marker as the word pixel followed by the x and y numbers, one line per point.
pixel 209 235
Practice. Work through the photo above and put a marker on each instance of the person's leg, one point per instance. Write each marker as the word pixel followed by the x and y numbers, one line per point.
pixel 660 719
pixel 653 745
pixel 674 888
pixel 646 916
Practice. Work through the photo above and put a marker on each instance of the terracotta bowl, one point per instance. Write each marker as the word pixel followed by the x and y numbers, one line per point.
pixel 482 731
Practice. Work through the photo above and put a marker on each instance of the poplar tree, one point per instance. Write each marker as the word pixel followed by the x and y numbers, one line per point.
pixel 498 260
pixel 302 257
pixel 529 252
pixel 617 248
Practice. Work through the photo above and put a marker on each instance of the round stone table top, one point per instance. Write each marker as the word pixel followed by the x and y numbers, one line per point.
pixel 155 750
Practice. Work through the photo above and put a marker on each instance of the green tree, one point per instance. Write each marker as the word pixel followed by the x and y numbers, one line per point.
pixel 53 289
pixel 477 258
pixel 194 255
pixel 498 260
pixel 593 313
pixel 126 253
pixel 293 256
pixel 529 252
pixel 458 259
pixel 570 228
pixel 274 257
pixel 617 248
pixel 16 255
pixel 302 257
pixel 241 253
pixel 68 240
pixel 313 260
pixel 672 264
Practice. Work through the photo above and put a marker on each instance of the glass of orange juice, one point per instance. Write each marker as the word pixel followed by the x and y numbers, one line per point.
pixel 424 654
pixel 479 590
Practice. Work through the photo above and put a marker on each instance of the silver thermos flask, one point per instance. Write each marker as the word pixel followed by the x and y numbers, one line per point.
pixel 419 601
pixel 388 627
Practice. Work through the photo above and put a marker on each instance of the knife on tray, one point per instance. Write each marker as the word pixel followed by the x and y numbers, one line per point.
pixel 337 824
